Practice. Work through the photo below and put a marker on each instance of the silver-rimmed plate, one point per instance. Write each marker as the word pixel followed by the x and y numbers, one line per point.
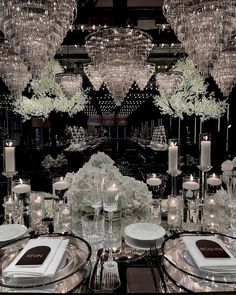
pixel 71 273
pixel 9 232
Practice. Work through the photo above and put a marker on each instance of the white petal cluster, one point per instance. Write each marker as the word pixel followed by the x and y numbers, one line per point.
pixel 191 96
pixel 136 198
pixel 48 96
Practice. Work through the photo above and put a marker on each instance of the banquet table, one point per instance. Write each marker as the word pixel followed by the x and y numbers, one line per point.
pixel 147 271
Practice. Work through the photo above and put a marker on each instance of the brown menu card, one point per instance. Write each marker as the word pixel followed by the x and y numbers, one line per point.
pixel 34 256
pixel 211 249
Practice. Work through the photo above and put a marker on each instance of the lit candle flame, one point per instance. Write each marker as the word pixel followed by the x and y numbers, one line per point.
pixel 191 177
pixel 21 181
pixel 154 175
pixel 213 175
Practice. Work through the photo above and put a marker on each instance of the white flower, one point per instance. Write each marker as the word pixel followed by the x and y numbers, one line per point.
pixel 234 162
pixel 227 166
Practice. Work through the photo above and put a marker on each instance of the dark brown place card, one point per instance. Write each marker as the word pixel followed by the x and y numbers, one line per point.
pixel 34 256
pixel 211 249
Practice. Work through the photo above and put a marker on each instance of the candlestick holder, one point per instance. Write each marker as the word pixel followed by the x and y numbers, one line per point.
pixel 9 176
pixel 9 169
pixel 203 170
pixel 174 173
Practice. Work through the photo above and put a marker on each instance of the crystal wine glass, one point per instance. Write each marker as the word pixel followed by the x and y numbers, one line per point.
pixel 111 279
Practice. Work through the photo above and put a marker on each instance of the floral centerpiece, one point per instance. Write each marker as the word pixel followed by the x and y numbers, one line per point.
pixel 136 198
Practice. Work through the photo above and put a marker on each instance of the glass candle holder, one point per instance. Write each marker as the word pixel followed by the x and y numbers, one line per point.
pixel 60 186
pixel 213 182
pixel 210 213
pixel 36 202
pixel 175 211
pixel 156 184
pixel 9 209
pixel 21 190
pixel 65 218
pixel 191 210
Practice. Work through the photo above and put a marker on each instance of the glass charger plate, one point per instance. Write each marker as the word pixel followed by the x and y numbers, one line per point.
pixel 181 270
pixel 72 271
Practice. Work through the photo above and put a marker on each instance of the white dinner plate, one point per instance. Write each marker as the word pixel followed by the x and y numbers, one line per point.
pixel 142 235
pixel 138 247
pixel 144 231
pixel 10 232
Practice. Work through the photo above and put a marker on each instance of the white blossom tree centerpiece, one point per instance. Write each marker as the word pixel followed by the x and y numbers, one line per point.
pixel 48 96
pixel 191 96
pixel 136 198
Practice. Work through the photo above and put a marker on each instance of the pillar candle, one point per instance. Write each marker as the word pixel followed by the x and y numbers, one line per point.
pixel 172 157
pixel 205 153
pixel 10 159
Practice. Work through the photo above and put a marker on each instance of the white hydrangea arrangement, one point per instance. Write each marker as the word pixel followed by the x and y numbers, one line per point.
pixel 136 198
pixel 48 96
pixel 191 97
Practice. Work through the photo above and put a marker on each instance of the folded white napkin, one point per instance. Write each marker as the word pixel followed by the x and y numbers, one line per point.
pixel 47 268
pixel 216 264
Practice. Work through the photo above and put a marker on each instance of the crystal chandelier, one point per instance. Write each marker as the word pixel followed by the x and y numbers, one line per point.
pixel 118 59
pixel 93 75
pixel 36 28
pixel 12 69
pixel 69 83
pixel 169 81
pixel 224 71
pixel 203 26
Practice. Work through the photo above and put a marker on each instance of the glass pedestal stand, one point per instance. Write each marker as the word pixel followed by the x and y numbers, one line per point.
pixel 202 191
pixel 174 174
pixel 9 176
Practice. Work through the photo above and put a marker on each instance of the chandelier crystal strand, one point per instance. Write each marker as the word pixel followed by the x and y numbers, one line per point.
pixel 69 83
pixel 169 81
pixel 12 69
pixel 36 28
pixel 202 26
pixel 224 71
pixel 118 59
pixel 93 75
pixel 65 16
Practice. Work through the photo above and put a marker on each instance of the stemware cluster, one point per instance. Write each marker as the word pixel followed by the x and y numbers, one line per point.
pixel 103 195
